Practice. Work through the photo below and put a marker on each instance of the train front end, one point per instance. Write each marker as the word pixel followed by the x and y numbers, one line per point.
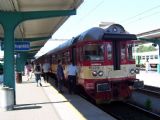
pixel 107 70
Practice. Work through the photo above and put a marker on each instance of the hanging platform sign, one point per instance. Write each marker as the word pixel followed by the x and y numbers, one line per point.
pixel 22 45
pixel 19 46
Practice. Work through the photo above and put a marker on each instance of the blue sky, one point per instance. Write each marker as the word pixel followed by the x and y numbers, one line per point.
pixel 136 16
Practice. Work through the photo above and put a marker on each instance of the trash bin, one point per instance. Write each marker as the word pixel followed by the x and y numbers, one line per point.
pixel 19 77
pixel 6 98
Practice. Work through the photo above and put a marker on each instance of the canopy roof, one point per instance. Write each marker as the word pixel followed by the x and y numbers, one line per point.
pixel 37 31
pixel 151 36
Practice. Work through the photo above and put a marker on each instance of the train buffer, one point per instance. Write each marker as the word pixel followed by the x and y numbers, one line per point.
pixel 45 103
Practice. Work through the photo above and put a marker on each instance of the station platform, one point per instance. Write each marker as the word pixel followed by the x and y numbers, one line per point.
pixel 45 103
pixel 151 78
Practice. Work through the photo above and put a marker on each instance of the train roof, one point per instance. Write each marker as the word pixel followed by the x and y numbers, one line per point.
pixel 115 29
pixel 62 46
pixel 119 33
pixel 97 33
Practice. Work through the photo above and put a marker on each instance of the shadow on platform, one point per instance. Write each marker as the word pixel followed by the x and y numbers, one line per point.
pixel 33 105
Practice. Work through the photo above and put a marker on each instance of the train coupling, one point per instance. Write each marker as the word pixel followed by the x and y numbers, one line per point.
pixel 138 84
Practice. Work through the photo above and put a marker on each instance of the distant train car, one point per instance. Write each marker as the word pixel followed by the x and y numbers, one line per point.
pixel 153 58
pixel 106 68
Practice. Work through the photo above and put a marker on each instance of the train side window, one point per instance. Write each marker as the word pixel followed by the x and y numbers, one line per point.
pixel 81 54
pixel 59 57
pixel 78 54
pixel 123 49
pixel 130 51
pixel 66 57
pixel 63 58
pixel 109 51
pixel 54 59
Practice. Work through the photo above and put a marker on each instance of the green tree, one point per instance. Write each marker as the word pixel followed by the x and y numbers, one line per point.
pixel 143 48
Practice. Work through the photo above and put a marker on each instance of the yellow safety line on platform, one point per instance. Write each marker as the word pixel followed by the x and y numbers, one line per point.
pixel 69 105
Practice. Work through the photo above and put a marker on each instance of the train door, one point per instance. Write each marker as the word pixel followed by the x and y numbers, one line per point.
pixel 74 56
pixel 78 52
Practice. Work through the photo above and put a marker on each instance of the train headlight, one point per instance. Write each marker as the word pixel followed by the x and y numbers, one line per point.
pixel 132 71
pixel 136 71
pixel 94 73
pixel 100 73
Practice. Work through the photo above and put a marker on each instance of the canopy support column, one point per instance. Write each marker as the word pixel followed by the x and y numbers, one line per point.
pixel 9 55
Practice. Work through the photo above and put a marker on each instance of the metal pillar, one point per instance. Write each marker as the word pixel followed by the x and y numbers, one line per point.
pixel 9 55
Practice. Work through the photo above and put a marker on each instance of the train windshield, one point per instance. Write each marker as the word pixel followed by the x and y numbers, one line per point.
pixel 127 51
pixel 93 52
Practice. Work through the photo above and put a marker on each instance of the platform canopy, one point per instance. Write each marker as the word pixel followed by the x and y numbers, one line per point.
pixel 37 31
pixel 150 36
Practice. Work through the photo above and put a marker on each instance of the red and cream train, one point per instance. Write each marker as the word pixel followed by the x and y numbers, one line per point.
pixel 106 68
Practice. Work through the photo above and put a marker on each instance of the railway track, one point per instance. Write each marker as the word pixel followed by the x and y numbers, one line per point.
pixel 126 111
pixel 152 89
pixel 148 98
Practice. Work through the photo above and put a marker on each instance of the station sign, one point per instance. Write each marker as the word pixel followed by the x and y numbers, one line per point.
pixel 19 46
pixel 22 45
